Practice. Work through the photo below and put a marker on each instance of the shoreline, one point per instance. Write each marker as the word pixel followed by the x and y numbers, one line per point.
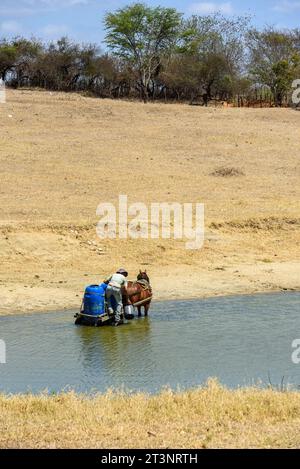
pixel 55 176
pixel 73 308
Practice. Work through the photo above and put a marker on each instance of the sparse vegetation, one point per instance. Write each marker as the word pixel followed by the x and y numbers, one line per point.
pixel 157 54
pixel 227 172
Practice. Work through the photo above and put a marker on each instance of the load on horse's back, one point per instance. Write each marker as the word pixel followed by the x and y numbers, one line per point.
pixel 139 293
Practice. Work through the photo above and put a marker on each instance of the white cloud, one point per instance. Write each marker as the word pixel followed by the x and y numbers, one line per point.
pixel 54 31
pixel 54 3
pixel 10 27
pixel 29 7
pixel 287 6
pixel 207 8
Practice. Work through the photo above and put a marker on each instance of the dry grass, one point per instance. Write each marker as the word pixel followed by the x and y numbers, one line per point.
pixel 63 154
pixel 209 417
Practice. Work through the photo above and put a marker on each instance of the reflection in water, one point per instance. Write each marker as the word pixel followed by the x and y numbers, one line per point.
pixel 114 351
pixel 240 340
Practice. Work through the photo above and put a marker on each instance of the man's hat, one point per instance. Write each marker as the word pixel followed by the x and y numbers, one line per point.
pixel 122 271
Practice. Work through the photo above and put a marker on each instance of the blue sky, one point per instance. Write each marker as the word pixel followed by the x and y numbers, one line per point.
pixel 81 20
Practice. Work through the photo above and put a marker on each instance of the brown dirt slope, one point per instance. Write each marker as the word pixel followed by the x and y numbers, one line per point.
pixel 63 154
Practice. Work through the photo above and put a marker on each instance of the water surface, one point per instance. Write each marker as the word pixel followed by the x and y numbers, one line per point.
pixel 240 340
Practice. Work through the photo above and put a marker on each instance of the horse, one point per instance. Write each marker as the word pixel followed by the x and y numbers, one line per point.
pixel 139 293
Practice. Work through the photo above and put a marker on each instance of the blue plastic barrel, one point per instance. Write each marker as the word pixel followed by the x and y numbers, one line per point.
pixel 94 300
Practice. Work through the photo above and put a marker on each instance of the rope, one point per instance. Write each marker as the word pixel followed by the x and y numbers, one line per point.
pixel 146 300
pixel 96 316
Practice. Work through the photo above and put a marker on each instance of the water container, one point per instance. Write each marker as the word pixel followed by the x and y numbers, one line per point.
pixel 94 300
pixel 129 312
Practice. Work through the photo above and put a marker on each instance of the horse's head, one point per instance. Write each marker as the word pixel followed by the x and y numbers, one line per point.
pixel 143 276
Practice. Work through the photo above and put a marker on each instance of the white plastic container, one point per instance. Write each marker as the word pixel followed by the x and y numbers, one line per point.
pixel 129 311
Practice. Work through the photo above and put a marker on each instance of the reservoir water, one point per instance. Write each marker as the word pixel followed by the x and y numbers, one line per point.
pixel 241 340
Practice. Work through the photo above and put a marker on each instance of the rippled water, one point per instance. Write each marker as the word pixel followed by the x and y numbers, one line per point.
pixel 239 340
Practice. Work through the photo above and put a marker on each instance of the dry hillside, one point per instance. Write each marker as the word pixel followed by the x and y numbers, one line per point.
pixel 63 154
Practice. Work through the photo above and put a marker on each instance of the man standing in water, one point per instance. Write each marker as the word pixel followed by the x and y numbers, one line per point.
pixel 114 289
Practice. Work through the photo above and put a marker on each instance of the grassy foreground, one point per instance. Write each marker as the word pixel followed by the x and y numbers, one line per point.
pixel 208 417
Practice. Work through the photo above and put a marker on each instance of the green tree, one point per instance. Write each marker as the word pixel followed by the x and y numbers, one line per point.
pixel 27 53
pixel 216 44
pixel 274 59
pixel 142 36
pixel 8 55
